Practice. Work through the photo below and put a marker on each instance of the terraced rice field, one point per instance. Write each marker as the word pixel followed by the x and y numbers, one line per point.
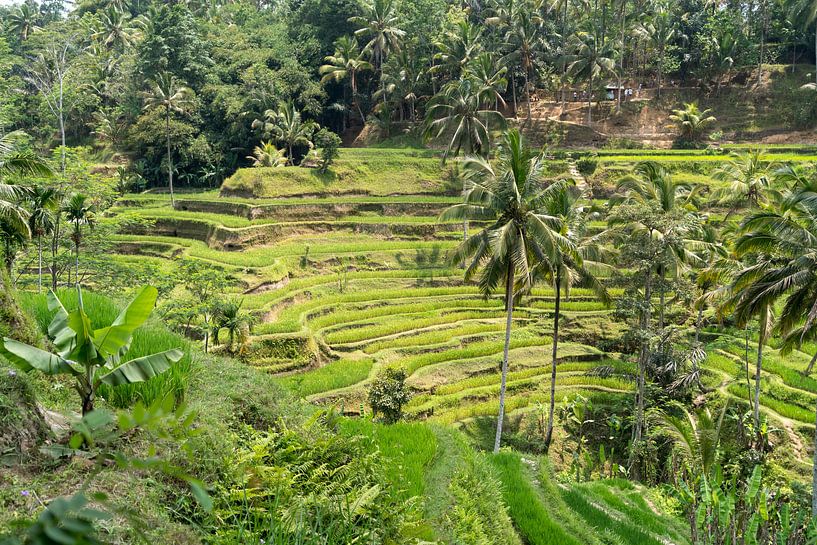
pixel 344 283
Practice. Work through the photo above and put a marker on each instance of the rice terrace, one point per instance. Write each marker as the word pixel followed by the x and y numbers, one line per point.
pixel 408 272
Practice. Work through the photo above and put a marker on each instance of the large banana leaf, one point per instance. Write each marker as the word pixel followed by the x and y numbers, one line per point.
pixel 113 341
pixel 84 349
pixel 64 337
pixel 142 369
pixel 28 357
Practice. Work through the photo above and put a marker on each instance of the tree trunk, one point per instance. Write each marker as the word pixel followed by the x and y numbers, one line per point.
pixel 621 59
pixel 39 263
pixel 87 403
pixel 527 95
pixel 590 101
pixel 504 376
pixel 811 364
pixel 555 348
pixel 169 160
pixel 55 244
pixel 698 324
pixel 513 89
pixel 76 262
pixel 760 340
pixel 643 360
pixel 660 70
pixel 814 476
pixel 564 58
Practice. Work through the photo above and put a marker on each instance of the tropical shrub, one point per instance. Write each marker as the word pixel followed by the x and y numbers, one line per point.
pixel 389 393
pixel 308 485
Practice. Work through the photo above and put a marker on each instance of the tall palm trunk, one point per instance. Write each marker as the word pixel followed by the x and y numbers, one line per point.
pixel 643 360
pixel 555 349
pixel 527 96
pixel 764 317
pixel 55 246
pixel 814 476
pixel 169 159
pixel 503 380
pixel 39 263
pixel 564 59
pixel 811 364
pixel 513 89
pixel 621 54
pixel 590 100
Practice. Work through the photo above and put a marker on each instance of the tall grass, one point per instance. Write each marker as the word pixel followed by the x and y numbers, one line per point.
pixel 526 508
pixel 333 375
pixel 152 337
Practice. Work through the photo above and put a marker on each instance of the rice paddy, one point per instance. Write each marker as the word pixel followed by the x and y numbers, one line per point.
pixel 357 264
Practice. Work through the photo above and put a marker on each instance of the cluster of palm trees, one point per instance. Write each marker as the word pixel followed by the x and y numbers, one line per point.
pixel 537 232
pixel 37 212
pixel 504 48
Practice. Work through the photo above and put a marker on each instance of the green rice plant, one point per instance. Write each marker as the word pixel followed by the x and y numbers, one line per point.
pixel 403 324
pixel 524 505
pixel 332 376
pixel 622 496
pixel 628 531
pixel 433 337
pixel 786 410
pixel 407 449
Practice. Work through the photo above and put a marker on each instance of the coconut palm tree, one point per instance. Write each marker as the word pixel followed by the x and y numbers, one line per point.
pixel 459 111
pixel 379 23
pixel 78 211
pixel 508 194
pixel 347 62
pixel 42 204
pixel 659 32
pixel 575 263
pixel 168 93
pixel 116 29
pixel 525 40
pixel 691 121
pixel 805 11
pixel 15 162
pixel 749 178
pixel 592 60
pixel 457 49
pixel 490 76
pixel 286 126
pixel 237 322
pixel 267 155
pixel 23 21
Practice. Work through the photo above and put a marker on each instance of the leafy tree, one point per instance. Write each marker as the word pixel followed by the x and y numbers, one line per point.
pixel 93 357
pixel 691 122
pixel 168 93
pixel 328 144
pixel 805 12
pixel 172 44
pixel 388 394
pixel 520 233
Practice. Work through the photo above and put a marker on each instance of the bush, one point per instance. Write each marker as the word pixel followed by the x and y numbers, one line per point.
pixel 587 166
pixel 328 144
pixel 388 393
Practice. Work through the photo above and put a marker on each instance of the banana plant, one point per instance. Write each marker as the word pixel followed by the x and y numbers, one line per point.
pixel 93 357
